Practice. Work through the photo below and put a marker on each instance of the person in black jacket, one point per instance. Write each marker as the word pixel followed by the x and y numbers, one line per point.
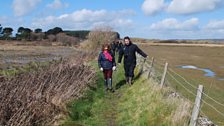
pixel 107 65
pixel 119 46
pixel 129 52
pixel 113 47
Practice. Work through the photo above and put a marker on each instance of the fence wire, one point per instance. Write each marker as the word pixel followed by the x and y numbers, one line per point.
pixel 157 70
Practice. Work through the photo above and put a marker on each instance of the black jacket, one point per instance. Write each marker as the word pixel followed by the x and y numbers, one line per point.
pixel 113 46
pixel 129 53
pixel 119 47
pixel 105 63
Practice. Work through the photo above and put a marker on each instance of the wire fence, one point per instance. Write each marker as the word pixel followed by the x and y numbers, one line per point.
pixel 189 89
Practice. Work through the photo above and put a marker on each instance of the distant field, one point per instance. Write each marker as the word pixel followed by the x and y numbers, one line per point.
pixel 13 56
pixel 201 56
pixel 176 41
pixel 186 44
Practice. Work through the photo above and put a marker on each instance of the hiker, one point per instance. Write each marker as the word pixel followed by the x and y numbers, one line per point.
pixel 113 47
pixel 107 65
pixel 119 46
pixel 129 52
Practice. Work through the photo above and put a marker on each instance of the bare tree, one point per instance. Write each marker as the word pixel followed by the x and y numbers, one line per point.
pixel 100 35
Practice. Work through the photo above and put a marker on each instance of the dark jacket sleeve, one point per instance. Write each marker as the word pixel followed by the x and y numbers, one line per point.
pixel 113 60
pixel 99 60
pixel 121 53
pixel 141 52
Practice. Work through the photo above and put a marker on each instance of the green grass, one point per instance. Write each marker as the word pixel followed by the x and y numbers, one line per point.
pixel 142 104
pixel 203 57
pixel 32 66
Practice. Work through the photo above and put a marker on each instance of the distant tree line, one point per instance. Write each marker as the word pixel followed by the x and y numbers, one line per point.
pixel 37 34
pixel 58 35
pixel 27 33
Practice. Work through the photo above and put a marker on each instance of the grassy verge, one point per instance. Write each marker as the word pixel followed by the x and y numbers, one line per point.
pixel 142 104
pixel 202 57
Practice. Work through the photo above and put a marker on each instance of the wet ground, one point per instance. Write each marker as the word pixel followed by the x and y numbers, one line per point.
pixel 208 72
pixel 11 56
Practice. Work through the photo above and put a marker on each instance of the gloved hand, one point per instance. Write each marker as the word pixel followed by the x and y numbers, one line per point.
pixel 114 68
pixel 101 69
pixel 146 57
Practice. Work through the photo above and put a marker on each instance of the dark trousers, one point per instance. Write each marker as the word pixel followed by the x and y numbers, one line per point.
pixel 129 70
pixel 108 79
pixel 107 74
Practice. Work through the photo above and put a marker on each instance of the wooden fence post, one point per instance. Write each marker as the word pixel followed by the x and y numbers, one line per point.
pixel 164 75
pixel 142 67
pixel 150 68
pixel 197 106
pixel 137 58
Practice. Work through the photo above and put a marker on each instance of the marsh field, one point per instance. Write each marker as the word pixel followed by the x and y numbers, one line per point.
pixel 209 58
pixel 14 57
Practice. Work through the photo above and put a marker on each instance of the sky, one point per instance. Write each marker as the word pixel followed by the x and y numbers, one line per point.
pixel 152 19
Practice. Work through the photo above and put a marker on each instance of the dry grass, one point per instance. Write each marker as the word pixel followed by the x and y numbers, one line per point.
pixel 182 112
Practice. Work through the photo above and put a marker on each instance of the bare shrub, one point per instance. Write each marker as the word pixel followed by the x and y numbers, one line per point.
pixel 67 40
pixel 37 36
pixel 36 98
pixel 100 35
pixel 51 38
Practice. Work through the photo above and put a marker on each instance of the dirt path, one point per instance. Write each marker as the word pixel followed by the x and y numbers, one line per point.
pixel 111 112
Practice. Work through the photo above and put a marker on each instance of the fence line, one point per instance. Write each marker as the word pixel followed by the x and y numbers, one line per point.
pixel 195 87
pixel 213 107
pixel 183 78
pixel 157 65
pixel 170 69
pixel 213 99
pixel 222 114
pixel 182 84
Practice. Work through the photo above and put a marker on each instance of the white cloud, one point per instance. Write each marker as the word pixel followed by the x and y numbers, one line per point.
pixel 10 21
pixel 172 28
pixel 151 7
pixel 57 4
pixel 23 7
pixel 86 19
pixel 174 24
pixel 3 19
pixel 192 6
pixel 215 25
pixel 214 28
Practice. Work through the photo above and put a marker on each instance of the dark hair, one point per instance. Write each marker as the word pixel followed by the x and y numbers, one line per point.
pixel 106 45
pixel 127 38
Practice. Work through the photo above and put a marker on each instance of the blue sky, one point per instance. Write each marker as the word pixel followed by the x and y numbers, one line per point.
pixel 153 19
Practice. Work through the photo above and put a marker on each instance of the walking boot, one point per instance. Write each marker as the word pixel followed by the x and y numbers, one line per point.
pixel 127 80
pixel 105 85
pixel 130 81
pixel 109 81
